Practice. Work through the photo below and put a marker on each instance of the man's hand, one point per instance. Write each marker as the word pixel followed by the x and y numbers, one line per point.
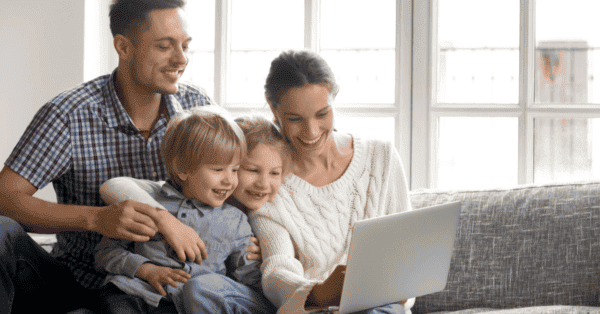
pixel 158 276
pixel 183 239
pixel 329 292
pixel 254 249
pixel 129 220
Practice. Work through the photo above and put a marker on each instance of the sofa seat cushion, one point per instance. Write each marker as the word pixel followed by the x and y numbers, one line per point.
pixel 520 247
pixel 553 309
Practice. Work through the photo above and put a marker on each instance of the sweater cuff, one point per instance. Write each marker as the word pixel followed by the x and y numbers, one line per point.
pixel 296 303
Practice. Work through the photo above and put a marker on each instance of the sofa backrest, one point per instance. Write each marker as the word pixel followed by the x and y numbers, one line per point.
pixel 527 246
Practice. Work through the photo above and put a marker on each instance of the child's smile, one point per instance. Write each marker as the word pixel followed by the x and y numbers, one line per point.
pixel 259 176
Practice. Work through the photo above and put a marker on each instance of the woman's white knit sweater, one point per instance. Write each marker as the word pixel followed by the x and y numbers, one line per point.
pixel 304 233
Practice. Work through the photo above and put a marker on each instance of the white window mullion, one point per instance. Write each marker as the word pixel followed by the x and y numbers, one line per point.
pixel 311 24
pixel 526 91
pixel 404 82
pixel 222 44
pixel 421 96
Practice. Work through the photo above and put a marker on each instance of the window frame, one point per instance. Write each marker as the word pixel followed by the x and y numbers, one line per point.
pixel 400 110
pixel 426 110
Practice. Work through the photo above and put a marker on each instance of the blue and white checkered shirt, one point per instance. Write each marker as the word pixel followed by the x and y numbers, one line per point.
pixel 82 138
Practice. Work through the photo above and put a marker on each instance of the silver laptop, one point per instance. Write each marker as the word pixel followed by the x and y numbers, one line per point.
pixel 397 257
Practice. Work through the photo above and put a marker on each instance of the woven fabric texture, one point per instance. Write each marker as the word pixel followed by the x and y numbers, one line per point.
pixel 530 246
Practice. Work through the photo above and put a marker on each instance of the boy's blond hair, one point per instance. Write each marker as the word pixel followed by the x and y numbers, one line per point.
pixel 201 135
pixel 260 130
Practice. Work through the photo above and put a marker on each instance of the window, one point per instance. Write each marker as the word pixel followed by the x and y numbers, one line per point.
pixel 367 44
pixel 507 93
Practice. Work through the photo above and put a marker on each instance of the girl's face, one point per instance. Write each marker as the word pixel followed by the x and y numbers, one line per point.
pixel 259 177
pixel 306 118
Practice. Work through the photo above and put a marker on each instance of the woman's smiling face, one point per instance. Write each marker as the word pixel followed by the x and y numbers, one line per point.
pixel 306 118
pixel 259 176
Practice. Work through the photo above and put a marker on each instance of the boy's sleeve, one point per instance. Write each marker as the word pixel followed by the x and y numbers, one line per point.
pixel 238 266
pixel 113 256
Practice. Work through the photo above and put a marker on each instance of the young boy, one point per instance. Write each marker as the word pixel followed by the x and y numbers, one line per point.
pixel 202 150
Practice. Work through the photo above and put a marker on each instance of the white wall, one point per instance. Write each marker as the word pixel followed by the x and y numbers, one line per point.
pixel 42 54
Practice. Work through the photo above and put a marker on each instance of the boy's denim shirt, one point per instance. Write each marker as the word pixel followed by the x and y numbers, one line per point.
pixel 225 231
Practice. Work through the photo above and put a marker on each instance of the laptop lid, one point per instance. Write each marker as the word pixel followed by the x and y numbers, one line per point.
pixel 399 256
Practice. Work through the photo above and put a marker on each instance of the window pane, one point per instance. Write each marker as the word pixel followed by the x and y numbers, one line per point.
pixel 200 69
pixel 567 44
pixel 566 149
pixel 373 127
pixel 477 152
pixel 260 30
pixel 478 62
pixel 358 41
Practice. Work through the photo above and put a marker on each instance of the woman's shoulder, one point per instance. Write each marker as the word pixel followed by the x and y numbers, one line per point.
pixel 369 147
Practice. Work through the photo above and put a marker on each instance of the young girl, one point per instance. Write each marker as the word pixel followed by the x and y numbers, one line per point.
pixel 264 167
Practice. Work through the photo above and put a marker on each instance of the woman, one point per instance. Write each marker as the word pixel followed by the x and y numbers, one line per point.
pixel 337 179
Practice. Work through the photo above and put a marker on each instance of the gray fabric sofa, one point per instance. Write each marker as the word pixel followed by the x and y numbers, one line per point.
pixel 529 249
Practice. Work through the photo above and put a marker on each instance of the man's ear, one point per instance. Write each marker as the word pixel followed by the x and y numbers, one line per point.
pixel 123 46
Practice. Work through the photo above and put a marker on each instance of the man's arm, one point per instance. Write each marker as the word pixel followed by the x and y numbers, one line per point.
pixel 125 220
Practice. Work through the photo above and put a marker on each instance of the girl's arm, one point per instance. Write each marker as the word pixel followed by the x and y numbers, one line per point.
pixel 126 188
pixel 283 278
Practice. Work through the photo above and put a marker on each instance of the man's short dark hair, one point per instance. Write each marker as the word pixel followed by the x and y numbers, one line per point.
pixel 129 17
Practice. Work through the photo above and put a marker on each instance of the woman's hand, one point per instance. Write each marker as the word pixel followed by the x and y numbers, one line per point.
pixel 329 292
pixel 158 276
pixel 254 249
pixel 182 238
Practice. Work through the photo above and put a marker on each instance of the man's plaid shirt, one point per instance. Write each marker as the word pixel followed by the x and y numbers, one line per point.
pixel 82 138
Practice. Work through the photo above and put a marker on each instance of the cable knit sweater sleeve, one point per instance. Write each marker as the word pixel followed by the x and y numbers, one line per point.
pixel 283 282
pixel 394 188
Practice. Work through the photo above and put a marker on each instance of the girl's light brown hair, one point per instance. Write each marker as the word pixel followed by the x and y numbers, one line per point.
pixel 201 135
pixel 260 130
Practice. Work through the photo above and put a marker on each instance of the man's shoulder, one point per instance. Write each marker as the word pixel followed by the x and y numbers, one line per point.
pixel 84 95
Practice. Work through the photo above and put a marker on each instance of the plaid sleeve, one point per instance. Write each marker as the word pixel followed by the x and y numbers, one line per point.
pixel 44 151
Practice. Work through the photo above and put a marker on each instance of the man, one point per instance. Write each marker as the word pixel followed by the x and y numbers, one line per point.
pixel 110 126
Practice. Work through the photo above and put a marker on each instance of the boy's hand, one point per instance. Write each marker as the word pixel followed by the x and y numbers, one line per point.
pixel 183 239
pixel 158 276
pixel 254 249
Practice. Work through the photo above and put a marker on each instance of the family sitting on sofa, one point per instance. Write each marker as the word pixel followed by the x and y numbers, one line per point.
pixel 160 193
